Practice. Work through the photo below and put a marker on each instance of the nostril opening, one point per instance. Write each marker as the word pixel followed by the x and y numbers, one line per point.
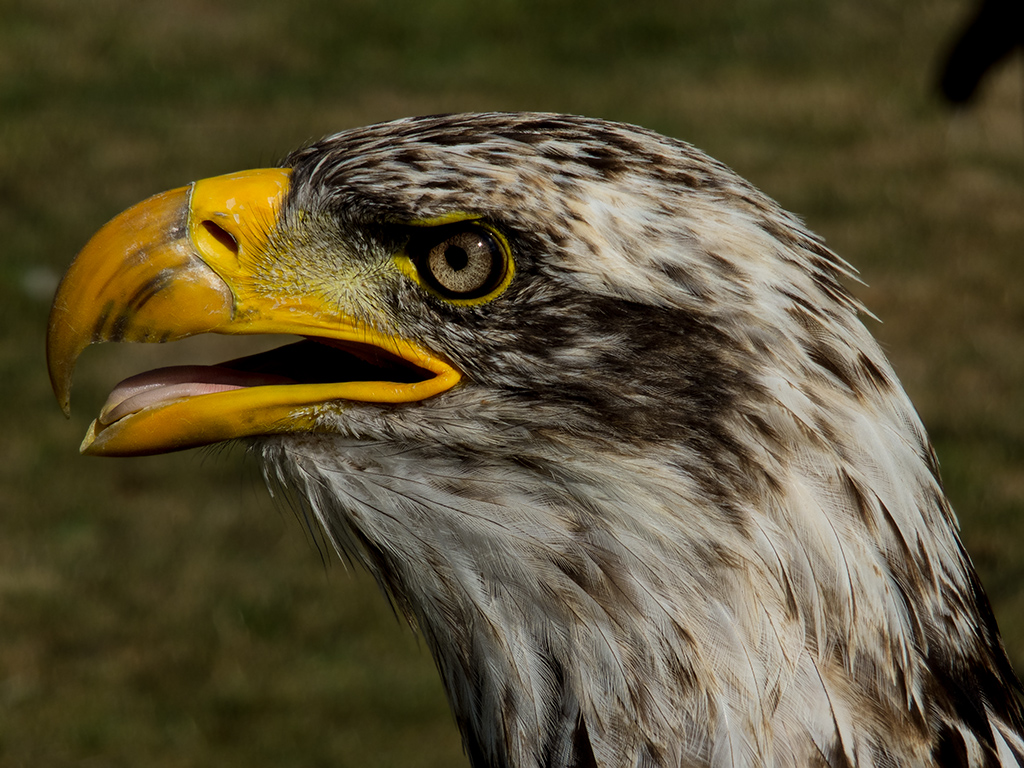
pixel 221 235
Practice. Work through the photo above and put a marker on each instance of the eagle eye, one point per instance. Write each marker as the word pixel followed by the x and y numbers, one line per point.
pixel 464 262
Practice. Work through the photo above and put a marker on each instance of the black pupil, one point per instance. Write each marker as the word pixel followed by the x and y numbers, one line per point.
pixel 456 257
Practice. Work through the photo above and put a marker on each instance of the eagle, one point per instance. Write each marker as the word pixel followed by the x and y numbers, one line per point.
pixel 601 419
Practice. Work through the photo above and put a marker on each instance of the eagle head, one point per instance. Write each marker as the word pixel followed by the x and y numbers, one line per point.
pixel 600 418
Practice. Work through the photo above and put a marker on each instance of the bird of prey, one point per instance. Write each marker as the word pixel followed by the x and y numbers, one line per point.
pixel 600 418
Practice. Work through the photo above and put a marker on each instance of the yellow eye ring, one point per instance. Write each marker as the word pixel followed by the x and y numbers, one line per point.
pixel 465 262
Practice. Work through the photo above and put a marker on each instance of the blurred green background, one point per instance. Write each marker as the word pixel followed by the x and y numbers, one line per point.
pixel 163 611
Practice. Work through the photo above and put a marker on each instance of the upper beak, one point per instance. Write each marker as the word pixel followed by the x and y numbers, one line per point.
pixel 189 261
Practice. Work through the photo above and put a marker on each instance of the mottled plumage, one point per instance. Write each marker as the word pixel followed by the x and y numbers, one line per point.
pixel 679 510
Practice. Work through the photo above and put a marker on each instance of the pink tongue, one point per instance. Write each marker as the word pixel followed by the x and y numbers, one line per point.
pixel 165 384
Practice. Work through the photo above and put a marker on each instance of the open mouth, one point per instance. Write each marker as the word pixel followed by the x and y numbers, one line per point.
pixel 313 361
pixel 293 388
pixel 192 261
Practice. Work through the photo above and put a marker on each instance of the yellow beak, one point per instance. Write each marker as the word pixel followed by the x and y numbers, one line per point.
pixel 187 262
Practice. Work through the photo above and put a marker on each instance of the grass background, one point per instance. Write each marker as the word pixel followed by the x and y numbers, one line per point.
pixel 161 611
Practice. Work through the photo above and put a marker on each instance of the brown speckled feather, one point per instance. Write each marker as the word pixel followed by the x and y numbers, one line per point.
pixel 680 511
